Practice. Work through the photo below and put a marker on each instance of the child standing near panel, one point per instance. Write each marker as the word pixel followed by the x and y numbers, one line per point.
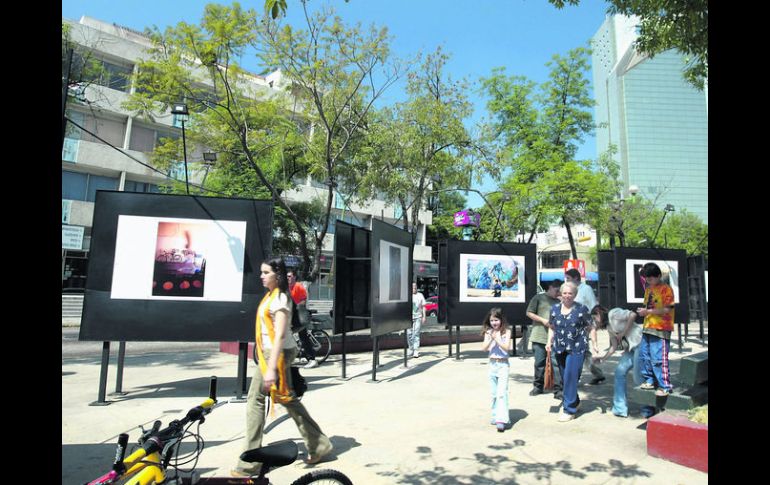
pixel 497 340
pixel 658 313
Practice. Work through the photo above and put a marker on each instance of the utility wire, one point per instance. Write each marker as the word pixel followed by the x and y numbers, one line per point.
pixel 165 174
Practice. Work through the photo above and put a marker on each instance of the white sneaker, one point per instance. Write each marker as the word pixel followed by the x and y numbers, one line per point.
pixel 416 354
pixel 311 364
pixel 566 417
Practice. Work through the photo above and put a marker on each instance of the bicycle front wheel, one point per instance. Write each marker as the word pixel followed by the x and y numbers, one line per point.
pixel 320 477
pixel 322 344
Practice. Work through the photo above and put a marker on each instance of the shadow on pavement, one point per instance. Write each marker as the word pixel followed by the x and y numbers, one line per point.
pixel 497 468
pixel 82 463
pixel 198 388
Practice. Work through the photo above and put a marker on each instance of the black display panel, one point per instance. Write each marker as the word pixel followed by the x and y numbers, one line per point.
pixel 391 278
pixel 630 288
pixel 607 285
pixel 352 278
pixel 480 275
pixel 175 267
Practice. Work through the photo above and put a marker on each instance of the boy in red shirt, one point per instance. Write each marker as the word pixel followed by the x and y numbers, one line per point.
pixel 299 295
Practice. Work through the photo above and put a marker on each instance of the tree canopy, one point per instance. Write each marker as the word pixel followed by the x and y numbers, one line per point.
pixel 668 24
pixel 541 127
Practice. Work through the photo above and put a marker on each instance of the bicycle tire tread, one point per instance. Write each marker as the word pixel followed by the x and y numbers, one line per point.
pixel 325 474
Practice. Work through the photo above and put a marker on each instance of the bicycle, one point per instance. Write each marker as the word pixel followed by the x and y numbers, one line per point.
pixel 322 343
pixel 146 467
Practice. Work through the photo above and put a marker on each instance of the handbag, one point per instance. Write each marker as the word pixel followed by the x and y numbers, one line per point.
pixel 548 381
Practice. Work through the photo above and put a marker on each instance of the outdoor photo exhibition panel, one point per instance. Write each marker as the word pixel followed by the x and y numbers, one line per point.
pixel 630 285
pixel 175 267
pixel 480 275
pixel 391 279
pixel 607 282
pixel 352 278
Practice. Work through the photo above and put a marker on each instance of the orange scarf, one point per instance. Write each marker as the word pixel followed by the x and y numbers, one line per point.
pixel 279 391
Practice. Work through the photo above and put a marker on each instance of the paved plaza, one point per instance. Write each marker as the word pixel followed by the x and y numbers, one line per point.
pixel 427 423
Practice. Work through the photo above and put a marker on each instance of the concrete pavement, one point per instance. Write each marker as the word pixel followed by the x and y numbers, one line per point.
pixel 426 423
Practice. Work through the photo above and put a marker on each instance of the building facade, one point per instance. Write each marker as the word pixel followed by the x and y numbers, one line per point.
pixel 657 121
pixel 105 147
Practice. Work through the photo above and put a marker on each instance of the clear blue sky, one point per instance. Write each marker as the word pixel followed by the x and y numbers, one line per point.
pixel 521 35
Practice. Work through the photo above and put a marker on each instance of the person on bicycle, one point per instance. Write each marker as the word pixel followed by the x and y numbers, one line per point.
pixel 299 295
pixel 276 350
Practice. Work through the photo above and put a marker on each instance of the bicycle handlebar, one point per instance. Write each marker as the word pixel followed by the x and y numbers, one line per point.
pixel 154 440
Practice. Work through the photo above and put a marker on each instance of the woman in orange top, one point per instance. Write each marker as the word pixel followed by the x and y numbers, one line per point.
pixel 276 349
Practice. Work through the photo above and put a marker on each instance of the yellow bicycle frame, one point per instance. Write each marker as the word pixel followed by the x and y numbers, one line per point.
pixel 147 467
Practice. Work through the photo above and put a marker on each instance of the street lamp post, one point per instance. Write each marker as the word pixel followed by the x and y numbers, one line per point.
pixel 617 217
pixel 506 197
pixel 666 210
pixel 181 109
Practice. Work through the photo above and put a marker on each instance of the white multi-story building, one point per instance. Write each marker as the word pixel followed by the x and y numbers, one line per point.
pixel 116 155
pixel 658 121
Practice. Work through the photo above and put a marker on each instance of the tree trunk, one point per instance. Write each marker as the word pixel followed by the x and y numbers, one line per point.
pixel 569 236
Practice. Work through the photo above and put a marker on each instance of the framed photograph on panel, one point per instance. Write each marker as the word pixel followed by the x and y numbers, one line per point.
pixel 165 258
pixel 492 278
pixel 635 282
pixel 394 272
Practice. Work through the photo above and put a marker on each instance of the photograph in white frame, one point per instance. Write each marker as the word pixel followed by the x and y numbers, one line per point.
pixel 492 278
pixel 394 273
pixel 635 282
pixel 151 252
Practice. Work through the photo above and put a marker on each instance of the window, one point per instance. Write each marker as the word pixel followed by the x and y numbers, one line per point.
pixel 111 131
pixel 554 259
pixel 83 186
pixel 132 186
pixel 102 72
pixel 73 185
pixel 96 182
pixel 142 139
pixel 145 139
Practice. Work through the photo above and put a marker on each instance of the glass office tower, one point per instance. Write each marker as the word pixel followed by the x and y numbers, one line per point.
pixel 657 121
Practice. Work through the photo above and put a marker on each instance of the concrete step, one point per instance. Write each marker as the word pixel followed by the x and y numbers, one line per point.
pixel 694 369
pixel 71 306
pixel 683 398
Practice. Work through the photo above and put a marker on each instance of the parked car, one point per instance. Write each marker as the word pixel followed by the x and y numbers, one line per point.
pixel 431 306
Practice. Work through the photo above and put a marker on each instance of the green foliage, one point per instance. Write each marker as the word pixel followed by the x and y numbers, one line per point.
pixel 668 24
pixel 541 128
pixel 330 70
pixel 443 227
pixel 636 220
pixel 259 144
pixel 417 143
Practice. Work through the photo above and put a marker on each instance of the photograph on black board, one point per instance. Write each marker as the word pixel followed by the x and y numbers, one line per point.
pixel 635 284
pixel 492 278
pixel 394 272
pixel 178 259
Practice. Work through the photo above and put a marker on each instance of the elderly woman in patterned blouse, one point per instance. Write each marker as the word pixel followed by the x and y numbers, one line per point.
pixel 570 323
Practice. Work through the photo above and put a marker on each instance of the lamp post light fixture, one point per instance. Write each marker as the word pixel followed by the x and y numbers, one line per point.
pixel 181 109
pixel 209 158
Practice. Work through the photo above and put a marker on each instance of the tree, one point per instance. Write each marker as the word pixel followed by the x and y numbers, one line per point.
pixel 419 141
pixel 256 136
pixel 638 219
pixel 447 202
pixel 334 73
pixel 668 24
pixel 541 128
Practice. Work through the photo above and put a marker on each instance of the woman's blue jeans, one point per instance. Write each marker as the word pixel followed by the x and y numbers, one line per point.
pixel 628 360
